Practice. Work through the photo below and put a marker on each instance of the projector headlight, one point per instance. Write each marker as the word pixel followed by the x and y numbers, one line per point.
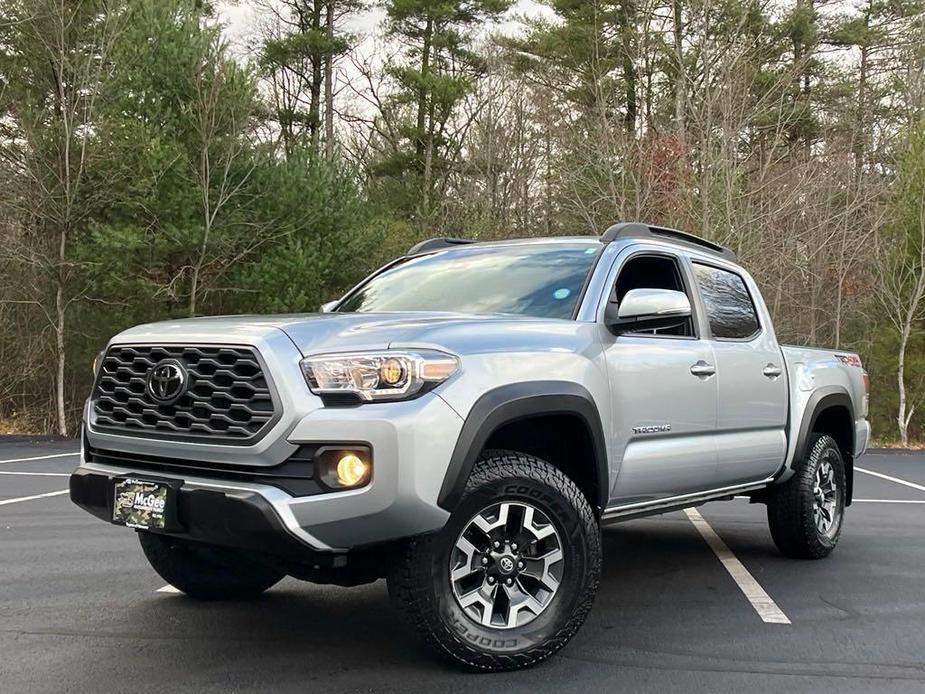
pixel 386 375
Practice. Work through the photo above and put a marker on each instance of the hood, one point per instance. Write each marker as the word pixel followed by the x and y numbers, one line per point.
pixel 317 333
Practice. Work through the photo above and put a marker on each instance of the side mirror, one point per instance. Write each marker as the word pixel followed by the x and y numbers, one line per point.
pixel 647 309
pixel 329 306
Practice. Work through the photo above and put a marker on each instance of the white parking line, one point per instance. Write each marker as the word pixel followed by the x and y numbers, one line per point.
pixel 766 608
pixel 168 589
pixel 35 474
pixel 40 457
pixel 30 498
pixel 891 479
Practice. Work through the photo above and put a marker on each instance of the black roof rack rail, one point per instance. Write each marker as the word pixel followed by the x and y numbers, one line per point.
pixel 436 244
pixel 636 230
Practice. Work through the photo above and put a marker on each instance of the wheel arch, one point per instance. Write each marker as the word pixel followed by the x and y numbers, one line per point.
pixel 830 411
pixel 503 416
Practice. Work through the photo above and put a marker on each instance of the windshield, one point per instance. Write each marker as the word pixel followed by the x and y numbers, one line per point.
pixel 540 280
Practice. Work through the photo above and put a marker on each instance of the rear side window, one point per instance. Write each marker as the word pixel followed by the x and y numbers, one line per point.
pixel 729 306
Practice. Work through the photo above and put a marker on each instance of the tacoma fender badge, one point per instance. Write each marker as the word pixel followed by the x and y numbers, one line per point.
pixel 652 429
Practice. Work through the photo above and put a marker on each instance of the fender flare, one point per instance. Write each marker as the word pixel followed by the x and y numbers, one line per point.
pixel 821 400
pixel 512 403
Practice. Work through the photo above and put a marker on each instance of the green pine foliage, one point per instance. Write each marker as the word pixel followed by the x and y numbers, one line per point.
pixel 149 170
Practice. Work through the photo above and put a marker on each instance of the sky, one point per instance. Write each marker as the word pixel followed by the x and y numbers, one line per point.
pixel 239 16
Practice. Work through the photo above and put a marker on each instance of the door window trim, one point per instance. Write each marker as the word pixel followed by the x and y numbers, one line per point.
pixel 748 292
pixel 687 282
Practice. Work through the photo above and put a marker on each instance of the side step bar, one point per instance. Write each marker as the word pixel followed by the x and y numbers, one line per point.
pixel 676 503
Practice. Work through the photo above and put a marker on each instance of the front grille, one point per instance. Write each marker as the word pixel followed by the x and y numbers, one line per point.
pixel 228 398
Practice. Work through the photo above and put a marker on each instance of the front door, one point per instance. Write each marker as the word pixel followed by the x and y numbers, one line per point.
pixel 663 390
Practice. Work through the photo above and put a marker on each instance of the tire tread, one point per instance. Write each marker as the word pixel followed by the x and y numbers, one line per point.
pixel 792 527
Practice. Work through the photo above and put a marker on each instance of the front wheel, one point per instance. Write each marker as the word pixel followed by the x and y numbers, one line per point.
pixel 512 576
pixel 206 572
pixel 805 513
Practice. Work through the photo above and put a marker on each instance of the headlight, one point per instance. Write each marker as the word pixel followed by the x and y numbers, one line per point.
pixel 387 375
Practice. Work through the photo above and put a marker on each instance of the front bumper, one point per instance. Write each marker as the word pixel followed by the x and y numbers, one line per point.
pixel 411 442
pixel 244 520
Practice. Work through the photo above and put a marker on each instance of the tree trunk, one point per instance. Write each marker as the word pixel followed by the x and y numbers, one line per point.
pixel 806 92
pixel 839 299
pixel 902 419
pixel 205 180
pixel 329 85
pixel 60 325
pixel 547 176
pixel 630 75
pixel 859 135
pixel 680 88
pixel 314 108
pixel 419 145
pixel 200 261
pixel 425 121
pixel 429 159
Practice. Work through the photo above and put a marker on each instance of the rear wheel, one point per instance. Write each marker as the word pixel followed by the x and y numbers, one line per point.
pixel 207 572
pixel 805 513
pixel 511 577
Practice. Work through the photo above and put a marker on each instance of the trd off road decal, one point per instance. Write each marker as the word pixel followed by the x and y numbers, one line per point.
pixel 140 504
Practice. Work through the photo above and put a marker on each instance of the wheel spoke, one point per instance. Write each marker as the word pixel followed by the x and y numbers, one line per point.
pixel 538 568
pixel 467 567
pixel 482 597
pixel 538 531
pixel 487 526
pixel 825 498
pixel 519 600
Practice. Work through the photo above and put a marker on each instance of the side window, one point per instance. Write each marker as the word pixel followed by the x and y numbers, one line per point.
pixel 653 272
pixel 729 305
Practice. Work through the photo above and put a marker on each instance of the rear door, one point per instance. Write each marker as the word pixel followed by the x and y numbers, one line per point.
pixel 751 381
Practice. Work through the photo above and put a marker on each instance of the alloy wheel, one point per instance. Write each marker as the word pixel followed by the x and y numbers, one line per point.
pixel 506 565
pixel 826 511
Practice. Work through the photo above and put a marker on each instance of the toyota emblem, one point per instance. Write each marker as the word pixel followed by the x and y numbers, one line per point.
pixel 167 381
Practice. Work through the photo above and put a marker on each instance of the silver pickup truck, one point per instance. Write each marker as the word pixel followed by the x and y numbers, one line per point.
pixel 463 423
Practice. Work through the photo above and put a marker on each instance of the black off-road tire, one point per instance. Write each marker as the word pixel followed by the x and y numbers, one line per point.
pixel 207 572
pixel 790 505
pixel 419 581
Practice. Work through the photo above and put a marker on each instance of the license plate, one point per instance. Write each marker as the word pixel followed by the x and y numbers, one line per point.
pixel 142 504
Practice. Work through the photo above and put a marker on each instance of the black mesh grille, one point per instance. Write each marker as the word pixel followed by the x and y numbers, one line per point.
pixel 228 398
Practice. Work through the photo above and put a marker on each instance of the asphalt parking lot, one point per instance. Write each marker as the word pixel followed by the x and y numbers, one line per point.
pixel 80 608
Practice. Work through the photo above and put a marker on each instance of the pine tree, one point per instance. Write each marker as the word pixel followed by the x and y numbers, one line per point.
pixel 436 75
pixel 297 57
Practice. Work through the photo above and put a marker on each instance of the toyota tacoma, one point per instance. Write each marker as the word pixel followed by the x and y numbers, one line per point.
pixel 463 423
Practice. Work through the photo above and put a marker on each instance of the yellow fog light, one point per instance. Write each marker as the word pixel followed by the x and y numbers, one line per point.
pixel 351 470
pixel 343 468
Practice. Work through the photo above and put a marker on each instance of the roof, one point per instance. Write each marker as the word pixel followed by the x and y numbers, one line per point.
pixel 621 231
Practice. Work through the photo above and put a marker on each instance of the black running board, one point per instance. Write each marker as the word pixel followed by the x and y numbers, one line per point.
pixel 615 514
